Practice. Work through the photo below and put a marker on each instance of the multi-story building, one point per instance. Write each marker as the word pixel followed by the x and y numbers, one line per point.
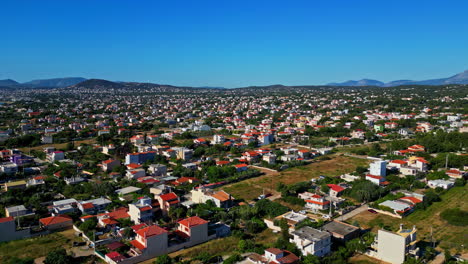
pixel 394 247
pixel 312 241
pixel 141 211
pixel 140 157
pixel 378 168
pixel 194 227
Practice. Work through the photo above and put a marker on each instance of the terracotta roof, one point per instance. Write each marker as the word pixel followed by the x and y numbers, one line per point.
pixel 192 221
pixel 137 244
pixel 319 203
pixel 168 196
pixel 87 205
pixel 149 231
pixel 275 251
pixel 398 162
pixel 221 195
pixel 52 220
pixel 138 227
pixel 6 219
pixel 115 256
pixel 133 166
pixel 240 165
pixel 335 187
pixel 411 199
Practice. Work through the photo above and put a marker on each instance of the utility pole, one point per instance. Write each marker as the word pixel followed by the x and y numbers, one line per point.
pixel 446 161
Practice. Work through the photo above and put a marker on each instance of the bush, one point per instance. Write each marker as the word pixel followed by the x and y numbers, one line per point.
pixel 455 216
pixel 233 259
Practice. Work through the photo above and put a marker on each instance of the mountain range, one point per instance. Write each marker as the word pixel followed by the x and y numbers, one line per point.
pixel 43 83
pixel 461 78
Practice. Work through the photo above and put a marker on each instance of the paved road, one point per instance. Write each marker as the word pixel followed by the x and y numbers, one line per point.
pixel 353 213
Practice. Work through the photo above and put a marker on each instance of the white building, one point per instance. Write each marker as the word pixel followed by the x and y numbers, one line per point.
pixel 440 183
pixel 393 247
pixel 378 168
pixel 312 241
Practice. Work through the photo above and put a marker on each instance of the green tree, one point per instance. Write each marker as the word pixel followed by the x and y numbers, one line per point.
pixel 164 259
pixel 58 256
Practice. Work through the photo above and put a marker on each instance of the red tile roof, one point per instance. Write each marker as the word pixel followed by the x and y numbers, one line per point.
pixel 137 244
pixel 149 231
pixel 335 187
pixel 192 221
pixel 52 220
pixel 6 219
pixel 115 256
pixel 411 199
pixel 319 203
pixel 168 196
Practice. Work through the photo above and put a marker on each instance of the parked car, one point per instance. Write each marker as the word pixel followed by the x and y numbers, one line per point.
pixel 372 211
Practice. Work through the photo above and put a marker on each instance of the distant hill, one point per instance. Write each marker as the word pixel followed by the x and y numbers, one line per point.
pixel 363 82
pixel 8 83
pixel 461 78
pixel 98 84
pixel 53 83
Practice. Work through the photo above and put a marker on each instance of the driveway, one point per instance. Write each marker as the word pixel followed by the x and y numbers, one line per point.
pixel 353 213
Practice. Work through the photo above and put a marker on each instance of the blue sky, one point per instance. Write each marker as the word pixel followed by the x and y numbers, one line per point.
pixel 233 43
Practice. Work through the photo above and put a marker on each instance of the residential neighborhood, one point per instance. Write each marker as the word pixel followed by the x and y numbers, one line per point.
pixel 217 175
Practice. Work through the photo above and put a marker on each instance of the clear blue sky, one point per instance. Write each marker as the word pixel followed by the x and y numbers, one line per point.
pixel 233 43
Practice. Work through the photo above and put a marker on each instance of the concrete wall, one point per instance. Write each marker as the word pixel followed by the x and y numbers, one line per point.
pixel 390 247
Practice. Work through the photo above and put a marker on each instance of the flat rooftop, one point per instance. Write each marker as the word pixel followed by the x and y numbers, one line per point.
pixel 340 228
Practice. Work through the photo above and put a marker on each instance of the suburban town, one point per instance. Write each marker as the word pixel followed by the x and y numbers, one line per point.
pixel 105 172
pixel 234 132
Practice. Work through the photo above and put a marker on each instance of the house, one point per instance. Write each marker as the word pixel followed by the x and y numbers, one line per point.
pixel 394 247
pixel 221 198
pixel 335 190
pixel 150 241
pixel 241 167
pixel 341 232
pixel 195 228
pixel 110 164
pixel 314 201
pixel 140 157
pixel 274 256
pixel 141 211
pixel 456 173
pixel 114 257
pixel 64 206
pixel 93 206
pixel 56 156
pixel 8 168
pixel 312 241
pixel 17 211
pixel 398 207
pixel 111 219
pixel 135 173
pixel 218 139
pixel 168 201
pixel 183 153
pixel 56 223
pixel 200 141
pixel 157 170
pixel 37 180
pixel 9 231
pixel 269 158
pixel 377 180
pixel 440 183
